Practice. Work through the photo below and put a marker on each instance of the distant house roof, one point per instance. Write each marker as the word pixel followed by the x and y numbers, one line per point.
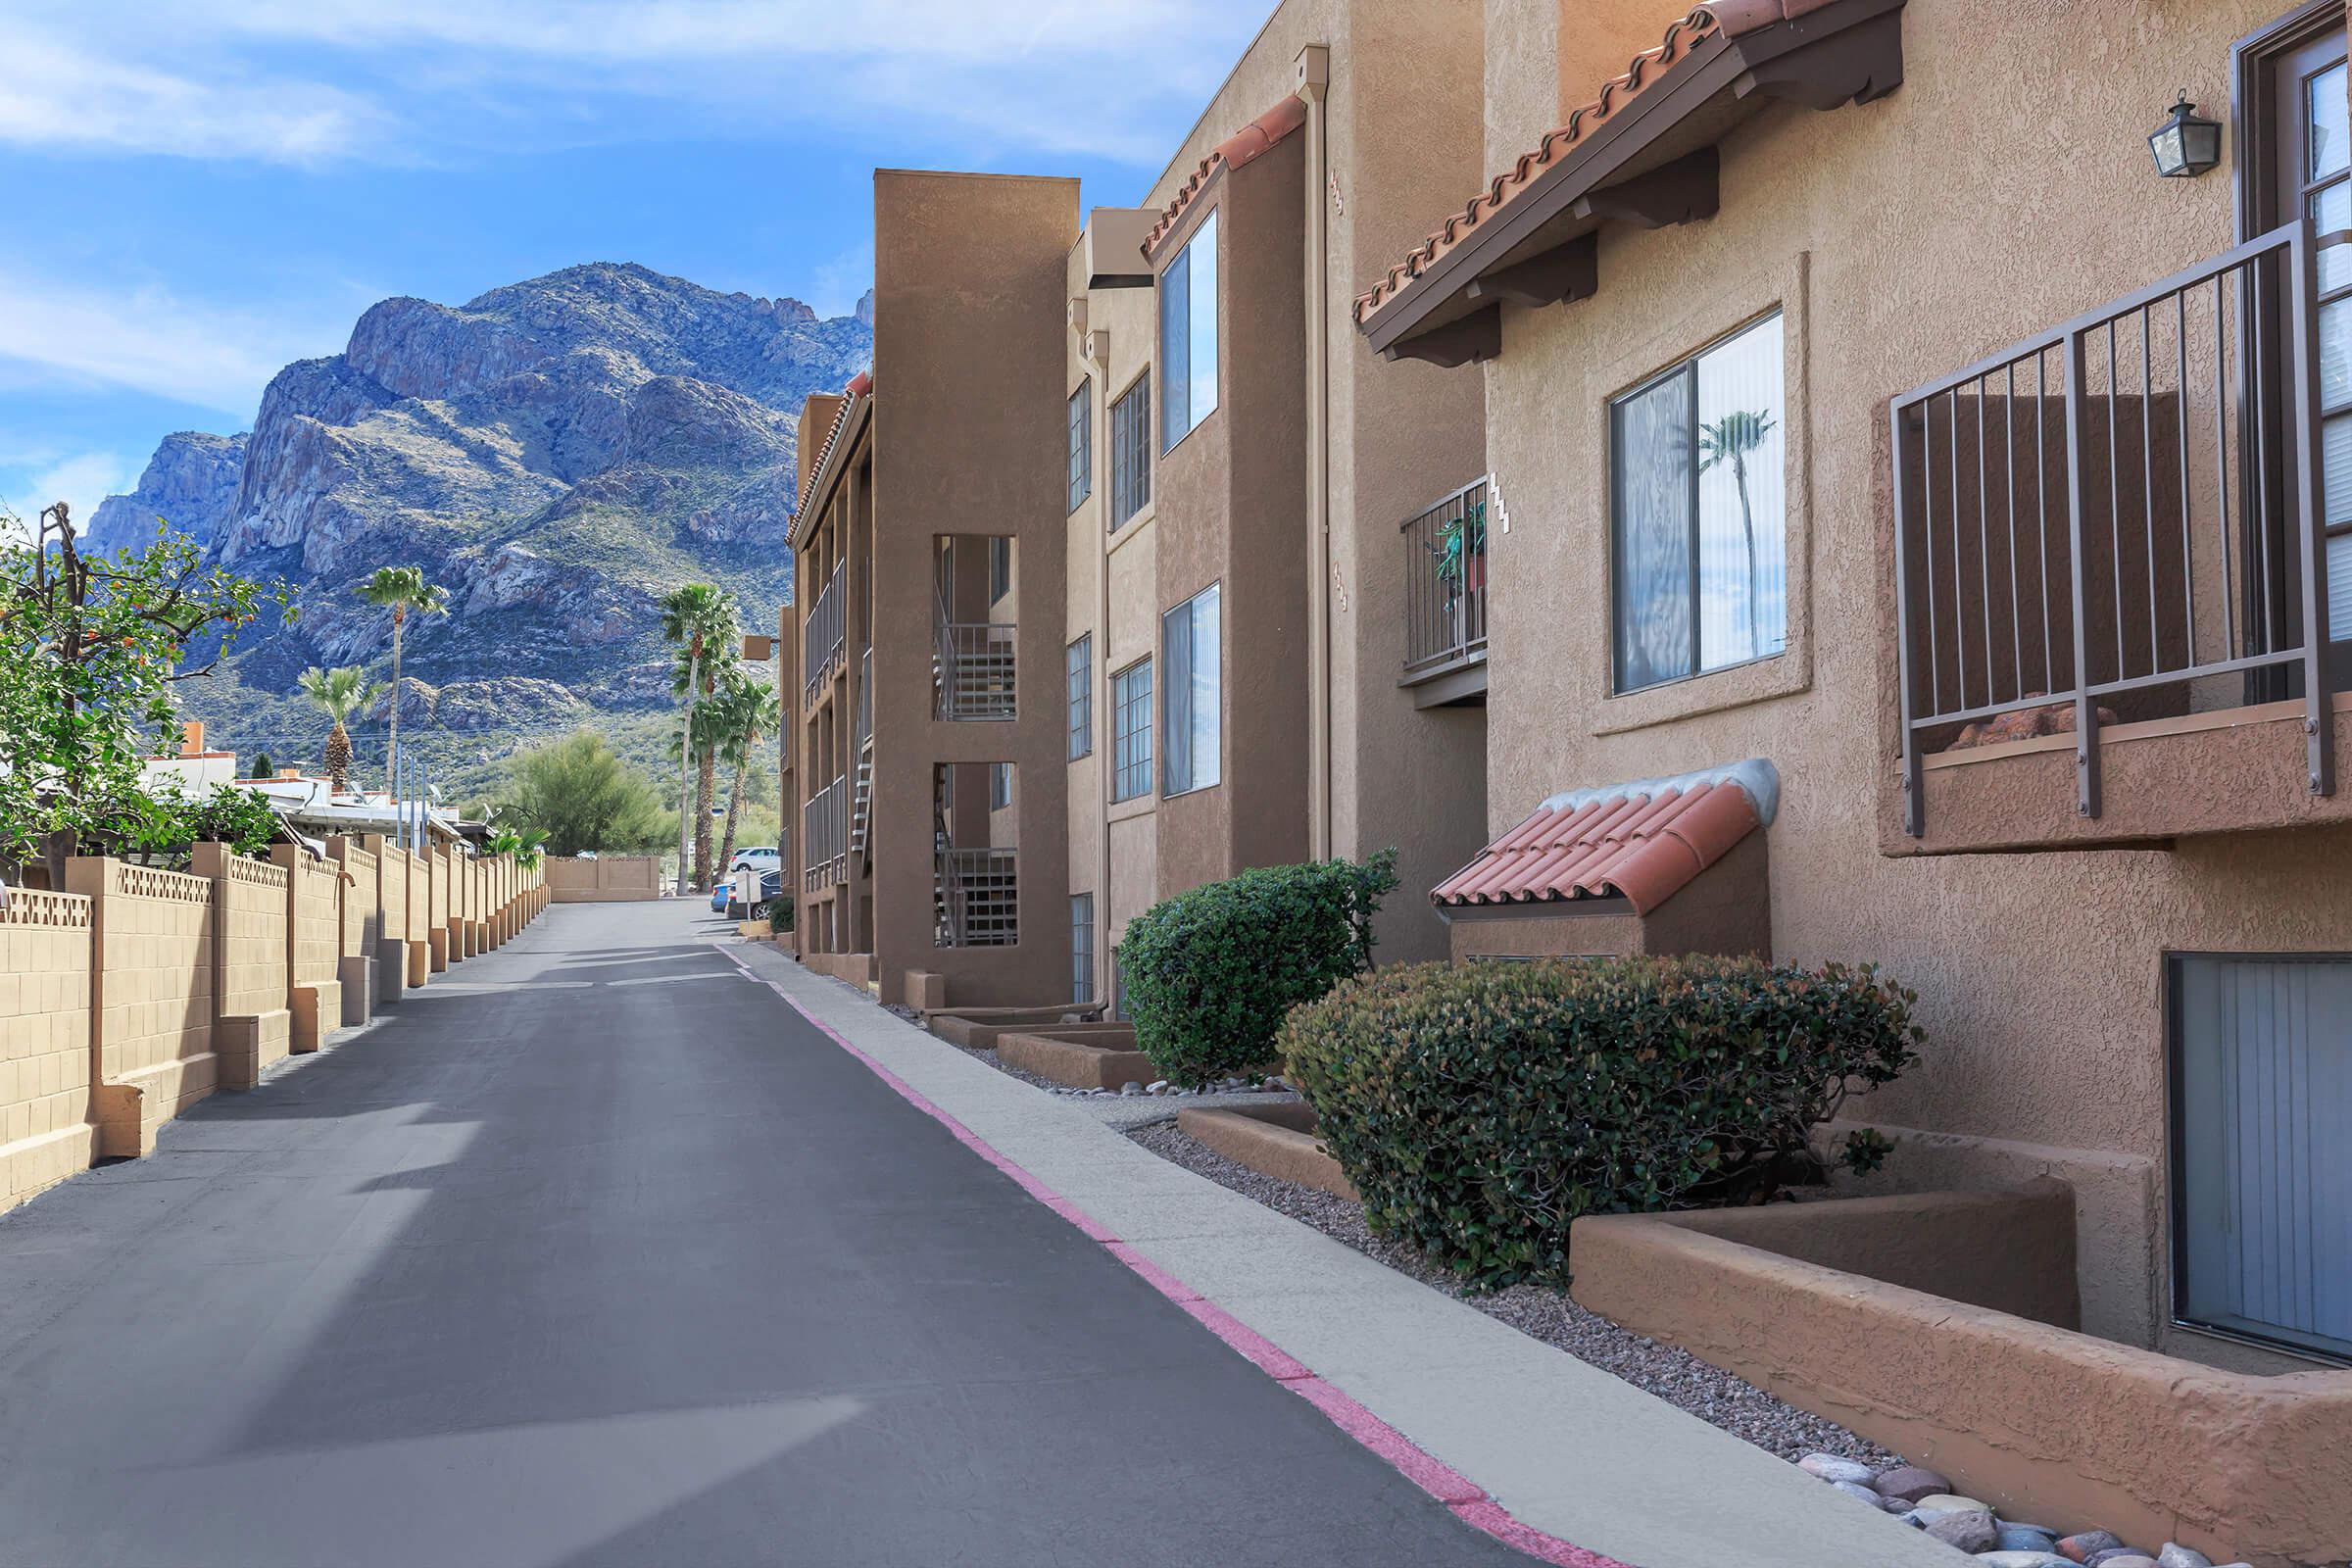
pixel 1643 842
pixel 1714 66
pixel 1251 141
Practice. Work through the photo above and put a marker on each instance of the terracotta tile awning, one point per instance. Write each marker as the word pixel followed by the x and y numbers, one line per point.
pixel 1640 842
pixel 1641 152
pixel 859 389
pixel 1257 137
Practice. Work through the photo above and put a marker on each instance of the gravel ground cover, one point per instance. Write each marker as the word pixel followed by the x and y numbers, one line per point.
pixel 1676 1376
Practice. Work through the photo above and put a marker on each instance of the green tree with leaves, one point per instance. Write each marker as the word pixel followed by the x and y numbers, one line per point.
pixel 402 590
pixel 748 713
pixel 91 649
pixel 338 693
pixel 581 797
pixel 699 621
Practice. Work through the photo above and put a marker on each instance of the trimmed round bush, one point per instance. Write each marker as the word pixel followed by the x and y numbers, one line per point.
pixel 1211 972
pixel 1481 1108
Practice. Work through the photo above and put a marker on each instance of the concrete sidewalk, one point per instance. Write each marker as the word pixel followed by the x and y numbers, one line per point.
pixel 1566 1449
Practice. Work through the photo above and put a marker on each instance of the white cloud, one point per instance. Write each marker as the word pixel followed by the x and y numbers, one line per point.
pixel 82 481
pixel 148 340
pixel 64 96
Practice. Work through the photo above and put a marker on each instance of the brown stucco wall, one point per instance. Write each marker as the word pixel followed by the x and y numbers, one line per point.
pixel 46 1133
pixel 2043 1423
pixel 2039 975
pixel 609 879
pixel 967 438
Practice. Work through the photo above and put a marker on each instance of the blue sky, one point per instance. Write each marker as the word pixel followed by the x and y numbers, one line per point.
pixel 198 192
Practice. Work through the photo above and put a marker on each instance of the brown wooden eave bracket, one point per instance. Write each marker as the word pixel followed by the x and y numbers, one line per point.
pixel 1570 272
pixel 1858 65
pixel 1683 191
pixel 1464 341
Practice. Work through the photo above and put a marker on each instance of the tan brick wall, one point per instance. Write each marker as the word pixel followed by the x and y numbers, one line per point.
pixel 610 879
pixel 359 896
pixel 151 996
pixel 421 896
pixel 438 914
pixel 45 1129
pixel 319 923
pixel 250 926
pixel 392 891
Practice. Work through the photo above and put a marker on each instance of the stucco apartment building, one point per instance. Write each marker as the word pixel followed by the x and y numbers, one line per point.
pixel 1114 577
pixel 1925 523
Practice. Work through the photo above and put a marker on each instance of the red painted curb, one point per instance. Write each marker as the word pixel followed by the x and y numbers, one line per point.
pixel 1467 1500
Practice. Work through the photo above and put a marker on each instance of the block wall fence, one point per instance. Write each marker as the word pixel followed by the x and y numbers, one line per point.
pixel 135 993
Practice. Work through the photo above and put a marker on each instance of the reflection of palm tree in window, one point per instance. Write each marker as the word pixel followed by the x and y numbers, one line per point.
pixel 1733 437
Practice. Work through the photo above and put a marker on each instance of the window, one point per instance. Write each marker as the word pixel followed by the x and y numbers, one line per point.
pixel 1081 656
pixel 1000 786
pixel 2261 1086
pixel 1082 946
pixel 1188 335
pixel 1698 509
pixel 1130 731
pixel 1131 451
pixel 999 568
pixel 1195 687
pixel 1082 443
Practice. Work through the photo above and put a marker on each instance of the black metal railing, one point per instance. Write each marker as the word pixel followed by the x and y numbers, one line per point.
pixel 2118 520
pixel 976 898
pixel 972 669
pixel 824 636
pixel 1445 584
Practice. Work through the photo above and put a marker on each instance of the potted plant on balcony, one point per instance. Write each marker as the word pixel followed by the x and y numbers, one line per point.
pixel 1462 551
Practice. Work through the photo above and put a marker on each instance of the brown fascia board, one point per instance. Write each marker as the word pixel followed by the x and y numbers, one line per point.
pixel 846 440
pixel 1848 50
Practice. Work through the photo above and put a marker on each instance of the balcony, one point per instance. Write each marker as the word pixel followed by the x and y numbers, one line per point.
pixel 1445 600
pixel 2112 567
pixel 972 669
pixel 976 901
pixel 824 635
pixel 824 837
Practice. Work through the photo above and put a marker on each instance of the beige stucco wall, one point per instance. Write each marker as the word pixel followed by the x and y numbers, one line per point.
pixel 151 998
pixel 359 897
pixel 391 890
pixel 45 1129
pixel 1994 209
pixel 612 878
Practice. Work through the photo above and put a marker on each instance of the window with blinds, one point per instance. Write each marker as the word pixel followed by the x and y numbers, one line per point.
pixel 1131 451
pixel 1082 444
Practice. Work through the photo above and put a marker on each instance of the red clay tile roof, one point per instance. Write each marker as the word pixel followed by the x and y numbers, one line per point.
pixel 862 385
pixel 1732 17
pixel 1251 141
pixel 1641 842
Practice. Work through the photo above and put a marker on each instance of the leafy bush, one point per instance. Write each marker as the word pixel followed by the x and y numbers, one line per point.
pixel 1211 972
pixel 780 912
pixel 1481 1108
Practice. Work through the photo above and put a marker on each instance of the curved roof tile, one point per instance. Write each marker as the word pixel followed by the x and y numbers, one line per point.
pixel 1251 141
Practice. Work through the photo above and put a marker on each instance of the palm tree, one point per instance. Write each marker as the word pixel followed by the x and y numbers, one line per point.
pixel 747 714
pixel 698 620
pixel 400 589
pixel 1733 437
pixel 339 693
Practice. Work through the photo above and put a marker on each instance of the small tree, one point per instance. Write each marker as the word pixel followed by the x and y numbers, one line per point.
pixel 748 713
pixel 90 651
pixel 581 797
pixel 700 622
pixel 400 589
pixel 338 693
pixel 263 766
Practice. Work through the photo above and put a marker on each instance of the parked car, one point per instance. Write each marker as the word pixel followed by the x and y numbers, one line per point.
pixel 749 902
pixel 765 859
pixel 721 890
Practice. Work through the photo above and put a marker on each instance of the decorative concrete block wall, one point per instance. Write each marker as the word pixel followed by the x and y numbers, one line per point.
pixel 316 930
pixel 392 919
pixel 252 964
pixel 360 916
pixel 45 1131
pixel 421 919
pixel 151 998
pixel 436 929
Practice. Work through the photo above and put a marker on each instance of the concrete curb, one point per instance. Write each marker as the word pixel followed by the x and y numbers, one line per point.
pixel 1560 1449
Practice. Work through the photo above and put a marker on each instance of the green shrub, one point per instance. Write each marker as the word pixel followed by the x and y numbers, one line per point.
pixel 779 913
pixel 1211 972
pixel 1481 1108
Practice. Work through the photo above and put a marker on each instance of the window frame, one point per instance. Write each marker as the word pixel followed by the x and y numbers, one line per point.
pixel 1078 676
pixel 1686 367
pixel 1000 568
pixel 1169 699
pixel 1136 401
pixel 1127 765
pixel 1082 443
pixel 1082 949
pixel 1180 274
pixel 1000 786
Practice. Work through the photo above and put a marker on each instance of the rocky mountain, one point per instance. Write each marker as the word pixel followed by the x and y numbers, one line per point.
pixel 555 453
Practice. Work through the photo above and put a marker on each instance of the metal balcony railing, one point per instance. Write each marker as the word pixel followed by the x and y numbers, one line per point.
pixel 825 836
pixel 2119 518
pixel 824 635
pixel 1445 584
pixel 976 898
pixel 972 669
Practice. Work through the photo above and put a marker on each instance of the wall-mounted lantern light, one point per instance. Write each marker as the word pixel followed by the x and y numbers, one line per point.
pixel 2186 144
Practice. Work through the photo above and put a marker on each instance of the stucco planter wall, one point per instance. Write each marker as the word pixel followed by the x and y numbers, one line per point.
pixel 1952 1369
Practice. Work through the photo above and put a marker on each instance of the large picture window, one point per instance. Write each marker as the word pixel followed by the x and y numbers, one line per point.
pixel 1081 675
pixel 1194 686
pixel 1131 451
pixel 1699 513
pixel 1130 731
pixel 1188 335
pixel 1082 444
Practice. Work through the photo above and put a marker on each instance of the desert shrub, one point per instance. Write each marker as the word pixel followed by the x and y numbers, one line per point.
pixel 1211 972
pixel 780 912
pixel 1481 1108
